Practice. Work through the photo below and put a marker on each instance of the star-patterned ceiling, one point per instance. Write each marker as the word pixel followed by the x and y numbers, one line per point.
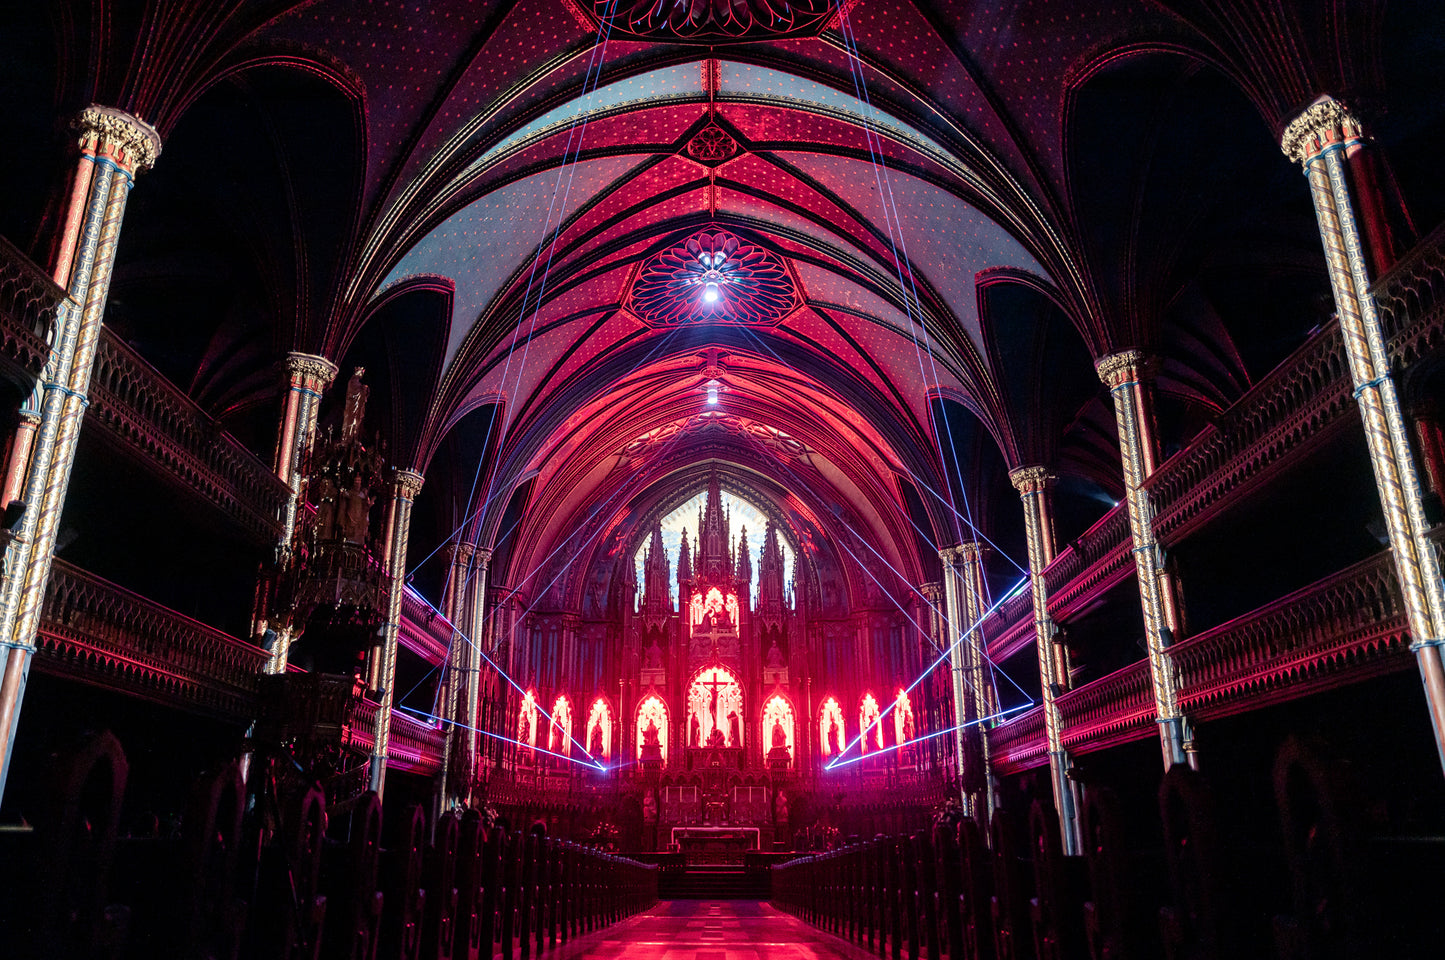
pixel 936 189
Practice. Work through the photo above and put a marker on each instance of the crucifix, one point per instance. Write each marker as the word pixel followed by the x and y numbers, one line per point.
pixel 714 683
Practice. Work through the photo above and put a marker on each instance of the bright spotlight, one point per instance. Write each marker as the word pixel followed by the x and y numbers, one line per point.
pixel 710 293
pixel 712 395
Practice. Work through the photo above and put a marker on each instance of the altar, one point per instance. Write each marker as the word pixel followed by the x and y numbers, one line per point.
pixel 715 845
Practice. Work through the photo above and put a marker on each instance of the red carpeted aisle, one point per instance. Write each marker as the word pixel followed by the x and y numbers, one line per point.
pixel 712 930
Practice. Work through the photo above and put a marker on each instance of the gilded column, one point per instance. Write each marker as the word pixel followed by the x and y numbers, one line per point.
pixel 18 458
pixel 1125 375
pixel 449 790
pixel 114 148
pixel 1319 138
pixel 973 693
pixel 477 635
pixel 405 486
pixel 307 376
pixel 1035 485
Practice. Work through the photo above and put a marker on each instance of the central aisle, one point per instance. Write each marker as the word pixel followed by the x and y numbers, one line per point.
pixel 714 930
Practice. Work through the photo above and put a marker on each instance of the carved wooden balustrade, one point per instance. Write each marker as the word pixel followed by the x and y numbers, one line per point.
pixel 1294 409
pixel 149 416
pixel 96 632
pixel 424 631
pixel 29 302
pixel 414 746
pixel 1339 630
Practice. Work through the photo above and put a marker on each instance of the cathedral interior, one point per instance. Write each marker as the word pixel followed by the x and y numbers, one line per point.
pixel 967 475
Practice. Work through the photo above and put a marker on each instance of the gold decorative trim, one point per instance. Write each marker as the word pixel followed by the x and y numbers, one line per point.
pixel 130 141
pixel 1030 479
pixel 1116 368
pixel 1302 138
pixel 408 483
pixel 310 365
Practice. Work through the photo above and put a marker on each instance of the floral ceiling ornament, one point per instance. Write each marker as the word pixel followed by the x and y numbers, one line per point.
pixel 713 276
pixel 709 21
pixel 712 145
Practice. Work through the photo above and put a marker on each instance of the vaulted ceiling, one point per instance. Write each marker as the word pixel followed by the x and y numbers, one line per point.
pixel 921 221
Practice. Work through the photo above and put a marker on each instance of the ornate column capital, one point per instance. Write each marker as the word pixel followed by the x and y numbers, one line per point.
pixel 305 367
pixel 129 141
pixel 408 483
pixel 970 551
pixel 484 554
pixel 1124 366
pixel 1322 123
pixel 1027 480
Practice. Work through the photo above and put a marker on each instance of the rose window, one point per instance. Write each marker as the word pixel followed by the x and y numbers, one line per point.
pixel 713 276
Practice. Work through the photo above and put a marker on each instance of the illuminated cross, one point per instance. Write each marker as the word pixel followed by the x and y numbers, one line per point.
pixel 715 683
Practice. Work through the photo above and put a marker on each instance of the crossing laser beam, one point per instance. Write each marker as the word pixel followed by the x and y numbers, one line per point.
pixel 928 736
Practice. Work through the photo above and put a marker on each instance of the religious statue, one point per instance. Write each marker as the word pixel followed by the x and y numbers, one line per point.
pixel 556 744
pixel 594 746
pixel 651 751
pixel 649 802
pixel 324 488
pixel 694 731
pixel 734 728
pixel 355 409
pixel 524 729
pixel 779 756
pixel 775 656
pixel 354 517
pixel 654 656
pixel 715 738
pixel 835 736
pixel 782 807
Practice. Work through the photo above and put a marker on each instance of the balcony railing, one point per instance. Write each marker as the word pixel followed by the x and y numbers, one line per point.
pixel 1292 410
pixel 96 632
pixel 412 745
pixel 1337 631
pixel 29 304
pixel 424 632
pixel 139 407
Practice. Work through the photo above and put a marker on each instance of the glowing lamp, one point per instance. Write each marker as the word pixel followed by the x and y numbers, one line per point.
pixel 710 293
pixel 712 395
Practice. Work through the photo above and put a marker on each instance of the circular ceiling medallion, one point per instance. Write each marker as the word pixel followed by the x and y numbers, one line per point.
pixel 709 21
pixel 713 276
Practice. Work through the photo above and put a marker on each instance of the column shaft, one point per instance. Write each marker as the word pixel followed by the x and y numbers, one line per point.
pixel 307 379
pixel 405 486
pixel 114 146
pixel 1124 374
pixel 1317 139
pixel 477 634
pixel 973 692
pixel 1033 485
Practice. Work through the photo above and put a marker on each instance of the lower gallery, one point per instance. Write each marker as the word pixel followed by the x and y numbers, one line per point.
pixel 722 479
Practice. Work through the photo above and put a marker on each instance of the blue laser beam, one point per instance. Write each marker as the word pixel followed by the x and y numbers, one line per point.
pixel 840 762
pixel 590 763
pixel 943 658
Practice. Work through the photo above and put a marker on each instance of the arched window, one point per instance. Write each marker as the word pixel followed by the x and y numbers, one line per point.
pixel 903 727
pixel 527 724
pixel 715 710
pixel 778 728
pixel 652 727
pixel 832 732
pixel 561 729
pixel 599 730
pixel 868 717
